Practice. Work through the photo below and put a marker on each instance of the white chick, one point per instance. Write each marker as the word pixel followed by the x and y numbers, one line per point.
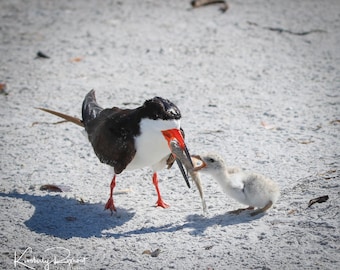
pixel 252 189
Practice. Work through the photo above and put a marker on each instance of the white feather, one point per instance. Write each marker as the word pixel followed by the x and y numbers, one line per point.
pixel 151 146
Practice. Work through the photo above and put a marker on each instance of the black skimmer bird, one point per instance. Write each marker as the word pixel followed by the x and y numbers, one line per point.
pixel 129 139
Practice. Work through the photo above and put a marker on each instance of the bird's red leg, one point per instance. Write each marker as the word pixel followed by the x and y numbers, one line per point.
pixel 110 205
pixel 160 201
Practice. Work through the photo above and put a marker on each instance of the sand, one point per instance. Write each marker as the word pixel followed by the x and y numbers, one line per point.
pixel 258 85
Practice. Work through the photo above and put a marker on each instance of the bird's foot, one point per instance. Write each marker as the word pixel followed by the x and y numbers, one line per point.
pixel 262 210
pixel 161 203
pixel 110 205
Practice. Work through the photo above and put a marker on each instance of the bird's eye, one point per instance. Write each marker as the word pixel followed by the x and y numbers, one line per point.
pixel 211 160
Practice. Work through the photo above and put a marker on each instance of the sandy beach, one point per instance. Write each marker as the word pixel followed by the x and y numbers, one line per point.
pixel 258 84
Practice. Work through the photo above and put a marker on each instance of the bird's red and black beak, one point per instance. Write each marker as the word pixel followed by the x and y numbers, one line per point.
pixel 176 134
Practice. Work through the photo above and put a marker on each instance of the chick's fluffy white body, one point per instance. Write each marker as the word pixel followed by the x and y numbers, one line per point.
pixel 252 189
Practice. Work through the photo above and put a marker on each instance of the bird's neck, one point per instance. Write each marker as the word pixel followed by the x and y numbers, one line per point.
pixel 223 178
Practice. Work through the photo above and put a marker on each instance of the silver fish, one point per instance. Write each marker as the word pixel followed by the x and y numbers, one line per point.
pixel 178 152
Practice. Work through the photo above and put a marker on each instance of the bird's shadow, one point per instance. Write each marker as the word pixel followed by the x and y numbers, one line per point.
pixel 65 218
pixel 195 224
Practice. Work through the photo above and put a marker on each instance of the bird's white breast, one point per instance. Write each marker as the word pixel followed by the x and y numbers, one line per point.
pixel 151 146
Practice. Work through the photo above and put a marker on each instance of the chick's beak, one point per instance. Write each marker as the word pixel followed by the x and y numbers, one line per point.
pixel 175 134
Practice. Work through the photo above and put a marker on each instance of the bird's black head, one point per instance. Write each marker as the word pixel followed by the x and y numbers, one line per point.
pixel 160 108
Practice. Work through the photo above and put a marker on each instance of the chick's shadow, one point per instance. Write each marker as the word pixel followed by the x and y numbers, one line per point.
pixel 65 218
pixel 195 224
pixel 199 223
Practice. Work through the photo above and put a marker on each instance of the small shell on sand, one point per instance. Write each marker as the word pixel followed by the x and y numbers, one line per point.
pixel 154 253
pixel 51 188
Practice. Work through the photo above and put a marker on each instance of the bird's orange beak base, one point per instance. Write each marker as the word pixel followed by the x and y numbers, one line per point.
pixel 174 134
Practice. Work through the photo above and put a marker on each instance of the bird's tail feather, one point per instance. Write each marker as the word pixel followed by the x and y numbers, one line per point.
pixel 90 108
pixel 69 118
